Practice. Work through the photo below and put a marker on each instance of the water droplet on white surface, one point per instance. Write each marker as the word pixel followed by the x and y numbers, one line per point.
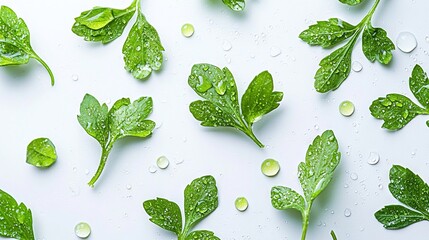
pixel 226 45
pixel 347 212
pixel 179 161
pixel 82 230
pixel 275 51
pixel 270 167
pixel 373 158
pixel 152 169
pixel 354 176
pixel 162 162
pixel 241 204
pixel 406 42
pixel 188 30
pixel 357 66
pixel 347 108
pixel 75 77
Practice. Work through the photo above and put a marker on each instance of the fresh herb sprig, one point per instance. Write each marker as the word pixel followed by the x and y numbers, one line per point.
pixel 335 68
pixel 124 119
pixel 314 175
pixel 16 220
pixel 397 110
pixel 236 5
pixel 201 199
pixel 408 188
pixel 142 49
pixel 15 46
pixel 221 108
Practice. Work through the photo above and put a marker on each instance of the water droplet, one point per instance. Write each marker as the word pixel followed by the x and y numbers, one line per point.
pixel 75 77
pixel 152 169
pixel 82 230
pixel 204 84
pixel 354 176
pixel 129 187
pixel 270 167
pixel 357 66
pixel 275 51
pixel 162 162
pixel 380 186
pixel 226 45
pixel 346 186
pixel 406 42
pixel 316 127
pixel 373 158
pixel 241 204
pixel 188 30
pixel 347 108
pixel 347 212
pixel 86 171
pixel 138 48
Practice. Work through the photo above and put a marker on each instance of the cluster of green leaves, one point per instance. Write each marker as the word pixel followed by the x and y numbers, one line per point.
pixel 15 47
pixel 314 175
pixel 221 108
pixel 335 68
pixel 142 50
pixel 201 199
pixel 411 190
pixel 16 220
pixel 397 110
pixel 236 5
pixel 124 119
pixel 41 153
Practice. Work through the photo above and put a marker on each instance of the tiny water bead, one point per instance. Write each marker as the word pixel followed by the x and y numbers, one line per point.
pixel 406 42
pixel 357 66
pixel 373 158
pixel 270 167
pixel 347 108
pixel 82 230
pixel 188 30
pixel 241 204
pixel 75 77
pixel 347 212
pixel 226 45
pixel 275 51
pixel 354 176
pixel 162 162
pixel 152 169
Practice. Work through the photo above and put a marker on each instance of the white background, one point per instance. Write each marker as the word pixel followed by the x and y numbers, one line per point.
pixel 59 196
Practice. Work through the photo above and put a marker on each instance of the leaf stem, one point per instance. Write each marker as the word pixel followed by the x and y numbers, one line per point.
pixel 104 155
pixel 45 65
pixel 306 220
pixel 249 132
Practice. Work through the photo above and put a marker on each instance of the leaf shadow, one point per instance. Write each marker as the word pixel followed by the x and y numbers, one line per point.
pixel 18 74
pixel 269 120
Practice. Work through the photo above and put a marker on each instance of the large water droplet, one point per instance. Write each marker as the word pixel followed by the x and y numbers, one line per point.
pixel 373 158
pixel 357 66
pixel 347 108
pixel 204 84
pixel 188 30
pixel 270 167
pixel 82 230
pixel 241 204
pixel 162 162
pixel 406 42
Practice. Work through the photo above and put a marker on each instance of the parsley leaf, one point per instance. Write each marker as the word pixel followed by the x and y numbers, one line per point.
pixel 15 46
pixel 335 68
pixel 41 153
pixel 314 175
pixel 142 49
pixel 221 108
pixel 410 190
pixel 397 110
pixel 201 199
pixel 236 5
pixel 16 220
pixel 107 126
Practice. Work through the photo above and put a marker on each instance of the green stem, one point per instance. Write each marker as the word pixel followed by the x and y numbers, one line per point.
pixel 104 155
pixel 249 132
pixel 45 65
pixel 306 220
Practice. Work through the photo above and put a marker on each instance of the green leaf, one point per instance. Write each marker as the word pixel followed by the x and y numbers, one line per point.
pixel 376 45
pixel 102 24
pixel 395 110
pixel 283 198
pixel 396 217
pixel 419 85
pixel 202 235
pixel 236 5
pixel 124 119
pixel 15 47
pixel 320 163
pixel 221 108
pixel 328 33
pixel 41 153
pixel 165 214
pixel 128 119
pixel 259 98
pixel 334 69
pixel 142 49
pixel 201 199
pixel 351 2
pixel 94 119
pixel 15 219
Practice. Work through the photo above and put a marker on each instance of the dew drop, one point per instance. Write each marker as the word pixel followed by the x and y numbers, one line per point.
pixel 347 108
pixel 275 51
pixel 406 42
pixel 129 187
pixel 373 158
pixel 75 77
pixel 226 45
pixel 152 169
pixel 188 30
pixel 162 162
pixel 347 212
pixel 270 167
pixel 357 66
pixel 354 176
pixel 241 204
pixel 82 230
